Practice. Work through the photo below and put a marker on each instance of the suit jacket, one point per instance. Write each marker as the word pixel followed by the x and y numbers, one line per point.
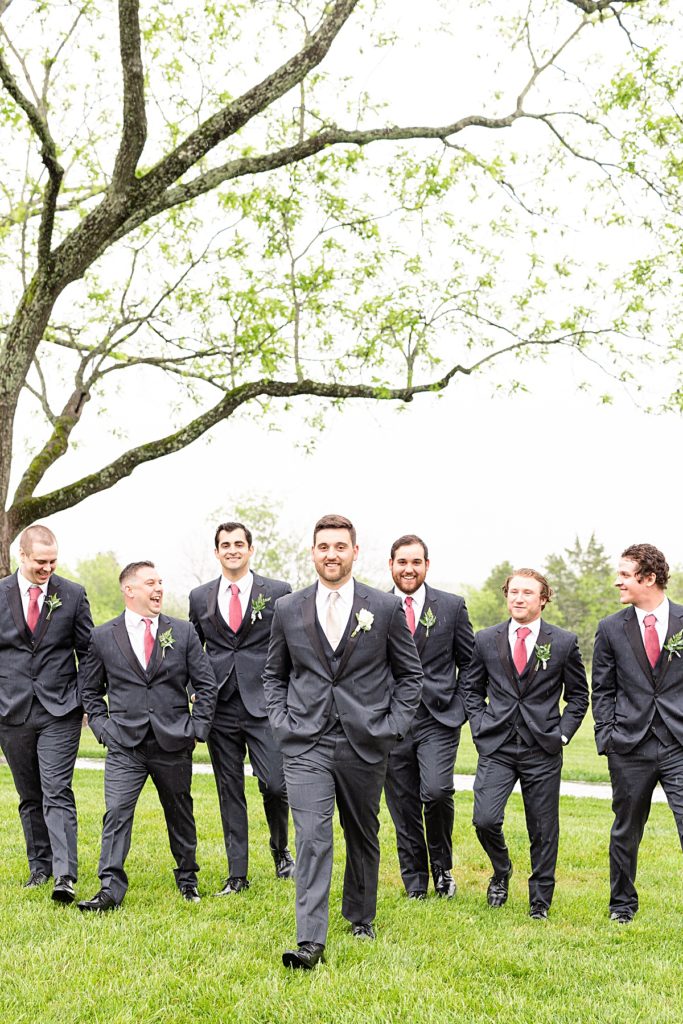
pixel 375 690
pixel 157 696
pixel 495 694
pixel 444 654
pixel 238 659
pixel 42 663
pixel 626 690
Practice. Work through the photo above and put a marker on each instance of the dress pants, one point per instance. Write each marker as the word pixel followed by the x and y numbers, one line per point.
pixel 634 776
pixel 333 770
pixel 234 731
pixel 41 754
pixel 420 777
pixel 539 775
pixel 126 770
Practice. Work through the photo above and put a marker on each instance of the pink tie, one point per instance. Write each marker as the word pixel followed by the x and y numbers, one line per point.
pixel 149 640
pixel 651 640
pixel 519 656
pixel 235 609
pixel 33 614
pixel 410 614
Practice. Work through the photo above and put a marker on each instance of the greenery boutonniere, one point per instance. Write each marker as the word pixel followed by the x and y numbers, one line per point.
pixel 542 655
pixel 428 620
pixel 166 640
pixel 674 645
pixel 52 602
pixel 365 620
pixel 258 604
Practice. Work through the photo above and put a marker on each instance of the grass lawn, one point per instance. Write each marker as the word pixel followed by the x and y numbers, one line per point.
pixel 161 961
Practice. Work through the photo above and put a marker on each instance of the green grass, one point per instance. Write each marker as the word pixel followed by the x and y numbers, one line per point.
pixel 581 761
pixel 161 961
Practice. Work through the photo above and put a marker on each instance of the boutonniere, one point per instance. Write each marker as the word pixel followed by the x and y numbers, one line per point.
pixel 365 620
pixel 257 607
pixel 674 645
pixel 428 620
pixel 542 655
pixel 166 640
pixel 52 602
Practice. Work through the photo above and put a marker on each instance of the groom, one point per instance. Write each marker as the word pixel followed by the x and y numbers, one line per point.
pixel 342 681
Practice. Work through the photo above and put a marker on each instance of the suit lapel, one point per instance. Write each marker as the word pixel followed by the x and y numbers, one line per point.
pixel 123 642
pixel 214 614
pixel 308 617
pixel 258 589
pixel 16 608
pixel 675 624
pixel 632 630
pixel 45 613
pixel 360 597
pixel 157 659
pixel 420 636
pixel 534 668
pixel 503 645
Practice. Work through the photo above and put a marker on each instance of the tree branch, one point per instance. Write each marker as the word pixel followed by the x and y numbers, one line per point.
pixel 134 131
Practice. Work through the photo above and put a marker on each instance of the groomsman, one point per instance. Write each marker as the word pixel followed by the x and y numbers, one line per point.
pixel 233 616
pixel 637 684
pixel 420 772
pixel 146 664
pixel 45 625
pixel 512 688
pixel 342 684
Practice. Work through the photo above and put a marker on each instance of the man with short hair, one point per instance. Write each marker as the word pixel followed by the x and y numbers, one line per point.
pixel 45 625
pixel 512 688
pixel 233 616
pixel 146 664
pixel 637 695
pixel 420 771
pixel 342 684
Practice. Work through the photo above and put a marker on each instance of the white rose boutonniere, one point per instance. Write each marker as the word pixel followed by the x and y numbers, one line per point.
pixel 365 620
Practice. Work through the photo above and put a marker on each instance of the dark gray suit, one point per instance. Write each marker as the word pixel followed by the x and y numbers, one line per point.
pixel 336 716
pixel 241 722
pixel 420 770
pixel 40 717
pixel 517 729
pixel 148 730
pixel 638 713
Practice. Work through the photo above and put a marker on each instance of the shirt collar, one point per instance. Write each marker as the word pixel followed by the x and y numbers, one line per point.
pixel 345 591
pixel 534 626
pixel 133 619
pixel 25 585
pixel 419 596
pixel 242 583
pixel 661 612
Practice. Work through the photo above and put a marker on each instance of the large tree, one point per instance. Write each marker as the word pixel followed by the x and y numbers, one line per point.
pixel 233 227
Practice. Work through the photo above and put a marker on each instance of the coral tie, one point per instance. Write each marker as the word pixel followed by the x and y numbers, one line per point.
pixel 235 609
pixel 410 614
pixel 651 640
pixel 33 613
pixel 519 655
pixel 149 640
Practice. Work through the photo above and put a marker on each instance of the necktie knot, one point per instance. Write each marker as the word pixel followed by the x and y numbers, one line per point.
pixel 650 620
pixel 234 589
pixel 523 632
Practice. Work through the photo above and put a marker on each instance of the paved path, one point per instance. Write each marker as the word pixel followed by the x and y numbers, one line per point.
pixel 463 783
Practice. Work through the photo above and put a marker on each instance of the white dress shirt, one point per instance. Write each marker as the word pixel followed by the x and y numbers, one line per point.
pixel 661 613
pixel 344 604
pixel 418 600
pixel 530 641
pixel 136 632
pixel 244 586
pixel 24 587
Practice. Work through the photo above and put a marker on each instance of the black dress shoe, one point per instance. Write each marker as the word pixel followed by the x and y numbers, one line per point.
pixel 497 892
pixel 236 883
pixel 444 883
pixel 363 931
pixel 621 916
pixel 100 902
pixel 35 879
pixel 417 894
pixel 284 863
pixel 305 957
pixel 63 891
pixel 538 912
pixel 190 893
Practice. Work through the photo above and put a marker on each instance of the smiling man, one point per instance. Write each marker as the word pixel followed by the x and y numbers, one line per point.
pixel 45 624
pixel 342 683
pixel 420 772
pixel 233 616
pixel 146 664
pixel 512 688
pixel 637 696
